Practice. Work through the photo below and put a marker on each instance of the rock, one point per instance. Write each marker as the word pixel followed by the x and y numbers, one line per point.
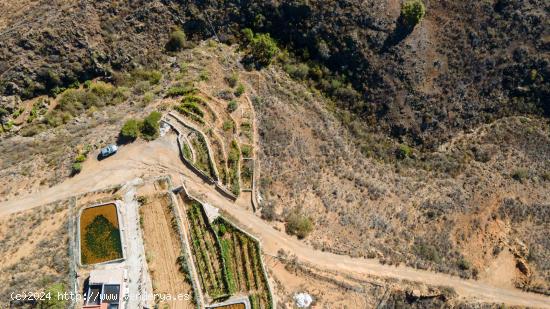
pixel 303 300
pixel 10 103
pixel 521 264
pixel 12 89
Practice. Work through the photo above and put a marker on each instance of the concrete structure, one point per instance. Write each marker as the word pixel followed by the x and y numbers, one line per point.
pixel 104 289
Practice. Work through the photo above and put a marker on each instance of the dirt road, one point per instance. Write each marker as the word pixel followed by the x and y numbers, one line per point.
pixel 161 157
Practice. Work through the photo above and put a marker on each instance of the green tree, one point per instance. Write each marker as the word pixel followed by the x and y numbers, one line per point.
pixel 176 41
pixel 129 131
pixel 412 12
pixel 151 128
pixel 263 48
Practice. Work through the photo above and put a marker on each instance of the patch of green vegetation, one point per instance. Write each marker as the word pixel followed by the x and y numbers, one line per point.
pixel 202 159
pixel 74 102
pixel 80 157
pixel 187 152
pixel 428 252
pixel 233 160
pixel 228 125
pixel 261 47
pixel 150 129
pixel 76 168
pixel 520 174
pixel 190 108
pixel 180 90
pixel 130 131
pixel 102 239
pixel 412 12
pixel 232 106
pixel 298 224
pixel 246 150
pixel 232 79
pixel 51 299
pixel 177 40
pixel 403 151
pixel 240 90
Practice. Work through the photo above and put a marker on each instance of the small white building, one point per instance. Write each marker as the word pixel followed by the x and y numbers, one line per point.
pixel 104 289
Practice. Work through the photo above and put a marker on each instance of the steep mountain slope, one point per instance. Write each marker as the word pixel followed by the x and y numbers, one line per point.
pixel 466 63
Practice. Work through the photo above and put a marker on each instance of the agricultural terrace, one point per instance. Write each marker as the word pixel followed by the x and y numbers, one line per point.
pixel 206 252
pixel 241 255
pixel 226 122
pixel 163 247
pixel 99 234
pixel 228 260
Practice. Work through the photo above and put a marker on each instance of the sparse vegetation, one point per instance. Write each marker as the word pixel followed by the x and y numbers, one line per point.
pixel 298 224
pixel 232 79
pixel 520 174
pixel 233 160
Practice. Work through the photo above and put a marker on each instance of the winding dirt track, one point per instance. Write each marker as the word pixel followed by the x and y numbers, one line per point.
pixel 161 157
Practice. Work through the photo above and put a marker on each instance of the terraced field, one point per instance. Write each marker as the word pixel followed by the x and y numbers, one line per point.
pixel 206 252
pixel 228 261
pixel 243 264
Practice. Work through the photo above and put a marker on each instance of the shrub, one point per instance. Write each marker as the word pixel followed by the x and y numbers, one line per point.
pixel 248 35
pixel 463 264
pixel 263 48
pixel 412 12
pixel 232 106
pixel 246 150
pixel 151 128
pixel 80 158
pixel 232 80
pixel 129 131
pixel 176 42
pixel 228 125
pixel 148 98
pixel 179 90
pixel 299 71
pixel 428 252
pixel 53 302
pixel 240 90
pixel 403 151
pixel 76 168
pixel 152 76
pixel 520 174
pixel 299 225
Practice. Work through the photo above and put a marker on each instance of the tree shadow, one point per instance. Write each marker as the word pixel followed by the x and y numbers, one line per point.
pixel 401 31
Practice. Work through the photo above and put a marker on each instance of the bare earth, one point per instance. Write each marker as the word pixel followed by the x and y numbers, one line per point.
pixel 162 250
pixel 161 157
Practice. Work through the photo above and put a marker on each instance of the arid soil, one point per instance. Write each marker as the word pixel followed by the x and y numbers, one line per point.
pixel 272 239
pixel 162 248
pixel 34 250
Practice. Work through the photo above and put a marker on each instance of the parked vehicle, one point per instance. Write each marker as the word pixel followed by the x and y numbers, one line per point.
pixel 108 150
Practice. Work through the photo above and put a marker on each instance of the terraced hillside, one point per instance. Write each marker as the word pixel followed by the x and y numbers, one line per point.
pixel 228 260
